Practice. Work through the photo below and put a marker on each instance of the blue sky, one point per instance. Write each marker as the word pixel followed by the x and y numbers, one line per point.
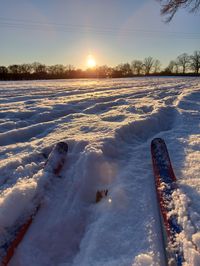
pixel 114 31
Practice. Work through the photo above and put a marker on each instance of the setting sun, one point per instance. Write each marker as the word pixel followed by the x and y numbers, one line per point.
pixel 91 61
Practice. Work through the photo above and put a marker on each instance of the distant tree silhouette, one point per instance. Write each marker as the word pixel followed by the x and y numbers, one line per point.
pixel 26 68
pixel 170 68
pixel 183 61
pixel 70 71
pixel 156 66
pixel 104 71
pixel 195 61
pixel 40 70
pixel 3 70
pixel 137 67
pixel 56 71
pixel 14 69
pixel 126 70
pixel 148 64
pixel 123 70
pixel 174 66
pixel 116 72
pixel 170 7
pixel 3 73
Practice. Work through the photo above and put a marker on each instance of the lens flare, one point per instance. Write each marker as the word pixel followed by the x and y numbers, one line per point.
pixel 109 200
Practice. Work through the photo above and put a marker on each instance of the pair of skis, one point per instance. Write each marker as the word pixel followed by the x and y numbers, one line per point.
pixel 53 166
pixel 165 185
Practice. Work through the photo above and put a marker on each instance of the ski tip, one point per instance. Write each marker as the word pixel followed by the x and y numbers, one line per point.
pixel 62 147
pixel 157 141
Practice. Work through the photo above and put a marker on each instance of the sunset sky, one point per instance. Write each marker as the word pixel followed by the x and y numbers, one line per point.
pixel 112 31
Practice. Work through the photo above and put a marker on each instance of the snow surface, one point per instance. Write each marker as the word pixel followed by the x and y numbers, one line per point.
pixel 108 125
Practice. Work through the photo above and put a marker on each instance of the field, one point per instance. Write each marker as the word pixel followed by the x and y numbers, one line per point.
pixel 108 125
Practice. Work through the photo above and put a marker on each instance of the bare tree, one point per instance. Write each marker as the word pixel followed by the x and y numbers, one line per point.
pixel 26 68
pixel 170 7
pixel 104 71
pixel 124 69
pixel 176 66
pixel 195 61
pixel 3 70
pixel 69 68
pixel 14 69
pixel 38 68
pixel 183 60
pixel 170 68
pixel 127 71
pixel 156 65
pixel 148 64
pixel 173 67
pixel 56 70
pixel 137 67
pixel 3 73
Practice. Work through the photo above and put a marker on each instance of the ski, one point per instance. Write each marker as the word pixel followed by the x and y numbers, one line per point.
pixel 53 166
pixel 165 182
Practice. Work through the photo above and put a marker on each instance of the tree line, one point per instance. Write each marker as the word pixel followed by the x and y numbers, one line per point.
pixel 184 64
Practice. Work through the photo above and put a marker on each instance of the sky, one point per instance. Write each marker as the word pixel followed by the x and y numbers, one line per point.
pixel 113 31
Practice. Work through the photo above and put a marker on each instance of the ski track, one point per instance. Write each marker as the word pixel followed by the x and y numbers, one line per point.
pixel 108 125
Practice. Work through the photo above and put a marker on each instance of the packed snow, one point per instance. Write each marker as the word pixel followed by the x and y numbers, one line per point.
pixel 108 125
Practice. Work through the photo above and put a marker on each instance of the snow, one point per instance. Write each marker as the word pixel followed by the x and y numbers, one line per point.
pixel 108 125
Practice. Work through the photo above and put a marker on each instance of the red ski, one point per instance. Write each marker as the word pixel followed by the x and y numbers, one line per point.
pixel 54 166
pixel 165 181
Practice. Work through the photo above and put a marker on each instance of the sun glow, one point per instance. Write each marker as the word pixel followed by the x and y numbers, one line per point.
pixel 91 61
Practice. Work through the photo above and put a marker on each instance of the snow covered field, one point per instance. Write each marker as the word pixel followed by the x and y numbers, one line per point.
pixel 109 125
